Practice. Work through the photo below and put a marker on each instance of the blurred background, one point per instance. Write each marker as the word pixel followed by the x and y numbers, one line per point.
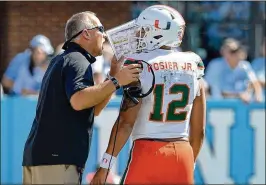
pixel 230 38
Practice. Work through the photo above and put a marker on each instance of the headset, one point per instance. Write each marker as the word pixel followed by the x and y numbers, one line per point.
pixel 133 93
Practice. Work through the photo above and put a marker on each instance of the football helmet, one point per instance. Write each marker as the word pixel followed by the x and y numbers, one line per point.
pixel 159 25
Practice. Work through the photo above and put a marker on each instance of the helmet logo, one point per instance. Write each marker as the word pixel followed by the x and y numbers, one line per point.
pixel 156 24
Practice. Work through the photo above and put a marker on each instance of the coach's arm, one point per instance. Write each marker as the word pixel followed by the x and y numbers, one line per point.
pixel 82 92
pixel 198 122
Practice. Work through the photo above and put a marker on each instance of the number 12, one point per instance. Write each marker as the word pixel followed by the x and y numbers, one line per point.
pixel 157 114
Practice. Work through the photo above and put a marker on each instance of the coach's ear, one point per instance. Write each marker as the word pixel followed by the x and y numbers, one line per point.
pixel 86 35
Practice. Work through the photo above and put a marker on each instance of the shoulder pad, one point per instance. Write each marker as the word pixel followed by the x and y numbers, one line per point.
pixel 200 65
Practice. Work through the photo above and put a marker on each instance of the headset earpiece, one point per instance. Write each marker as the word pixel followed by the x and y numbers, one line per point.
pixel 133 92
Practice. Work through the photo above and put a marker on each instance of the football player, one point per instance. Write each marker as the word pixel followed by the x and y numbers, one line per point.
pixel 168 126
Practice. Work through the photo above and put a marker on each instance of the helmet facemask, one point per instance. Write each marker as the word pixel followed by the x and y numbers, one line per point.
pixel 140 38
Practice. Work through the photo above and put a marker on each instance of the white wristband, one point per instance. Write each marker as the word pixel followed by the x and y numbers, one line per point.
pixel 107 160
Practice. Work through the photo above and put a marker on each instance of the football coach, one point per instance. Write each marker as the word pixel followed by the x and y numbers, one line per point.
pixel 59 141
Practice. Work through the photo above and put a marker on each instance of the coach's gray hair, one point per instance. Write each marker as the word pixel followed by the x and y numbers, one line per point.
pixel 78 22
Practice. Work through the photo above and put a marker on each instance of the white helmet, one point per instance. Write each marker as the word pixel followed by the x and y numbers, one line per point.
pixel 159 25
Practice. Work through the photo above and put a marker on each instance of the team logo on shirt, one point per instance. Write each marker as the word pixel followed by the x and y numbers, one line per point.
pixel 105 160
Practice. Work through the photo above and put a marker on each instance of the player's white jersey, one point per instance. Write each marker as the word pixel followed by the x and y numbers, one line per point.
pixel 165 113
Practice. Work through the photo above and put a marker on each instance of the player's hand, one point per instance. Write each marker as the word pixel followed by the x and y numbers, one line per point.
pixel 99 177
pixel 116 65
pixel 128 74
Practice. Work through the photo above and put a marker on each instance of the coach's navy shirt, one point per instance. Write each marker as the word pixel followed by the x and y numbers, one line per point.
pixel 60 134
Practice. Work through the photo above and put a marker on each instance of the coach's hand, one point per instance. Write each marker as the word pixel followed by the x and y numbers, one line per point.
pixel 116 65
pixel 128 74
pixel 99 177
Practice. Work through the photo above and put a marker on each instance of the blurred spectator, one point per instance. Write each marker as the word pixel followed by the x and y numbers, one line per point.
pixel 23 59
pixel 258 65
pixel 58 49
pixel 224 10
pixel 215 21
pixel 29 77
pixel 97 69
pixel 230 75
pixel 217 32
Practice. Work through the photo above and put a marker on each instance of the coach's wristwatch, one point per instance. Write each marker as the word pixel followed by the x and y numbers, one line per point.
pixel 115 82
pixel 113 79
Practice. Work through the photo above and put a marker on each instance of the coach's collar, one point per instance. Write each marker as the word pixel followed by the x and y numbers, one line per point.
pixel 77 47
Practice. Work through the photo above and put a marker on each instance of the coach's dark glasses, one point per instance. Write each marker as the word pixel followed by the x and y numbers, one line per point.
pixel 100 28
